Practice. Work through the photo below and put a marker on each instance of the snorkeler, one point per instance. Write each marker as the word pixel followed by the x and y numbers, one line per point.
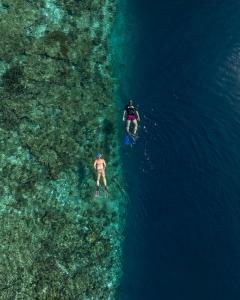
pixel 100 166
pixel 132 116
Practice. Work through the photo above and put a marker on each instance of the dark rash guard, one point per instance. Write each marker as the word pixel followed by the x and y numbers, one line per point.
pixel 131 110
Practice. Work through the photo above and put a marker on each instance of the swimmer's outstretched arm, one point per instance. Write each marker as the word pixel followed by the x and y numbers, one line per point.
pixel 138 117
pixel 124 114
pixel 104 163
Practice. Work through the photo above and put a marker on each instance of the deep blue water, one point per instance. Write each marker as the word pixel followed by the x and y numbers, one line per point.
pixel 183 234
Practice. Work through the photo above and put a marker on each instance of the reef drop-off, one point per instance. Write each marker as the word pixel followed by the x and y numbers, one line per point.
pixel 58 110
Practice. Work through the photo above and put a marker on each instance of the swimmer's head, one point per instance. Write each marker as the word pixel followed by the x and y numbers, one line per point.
pixel 99 155
pixel 130 102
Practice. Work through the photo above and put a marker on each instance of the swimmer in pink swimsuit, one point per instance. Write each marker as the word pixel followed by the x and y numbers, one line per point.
pixel 100 166
pixel 132 116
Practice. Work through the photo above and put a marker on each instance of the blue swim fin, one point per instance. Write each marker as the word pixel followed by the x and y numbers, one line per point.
pixel 127 140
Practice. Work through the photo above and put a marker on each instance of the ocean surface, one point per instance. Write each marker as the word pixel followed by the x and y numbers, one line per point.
pixel 183 175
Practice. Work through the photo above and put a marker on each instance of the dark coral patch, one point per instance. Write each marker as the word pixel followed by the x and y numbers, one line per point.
pixel 58 37
pixel 12 78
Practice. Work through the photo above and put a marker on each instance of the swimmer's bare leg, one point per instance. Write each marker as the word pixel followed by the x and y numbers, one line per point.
pixel 128 125
pixel 98 178
pixel 135 127
pixel 105 185
pixel 98 184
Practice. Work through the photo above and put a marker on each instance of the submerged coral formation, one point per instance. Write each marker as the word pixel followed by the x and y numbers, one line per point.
pixel 57 111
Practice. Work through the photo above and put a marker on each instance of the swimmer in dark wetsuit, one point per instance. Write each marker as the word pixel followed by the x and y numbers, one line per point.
pixel 132 115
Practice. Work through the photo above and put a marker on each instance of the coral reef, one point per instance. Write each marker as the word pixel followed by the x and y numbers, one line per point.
pixel 57 111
